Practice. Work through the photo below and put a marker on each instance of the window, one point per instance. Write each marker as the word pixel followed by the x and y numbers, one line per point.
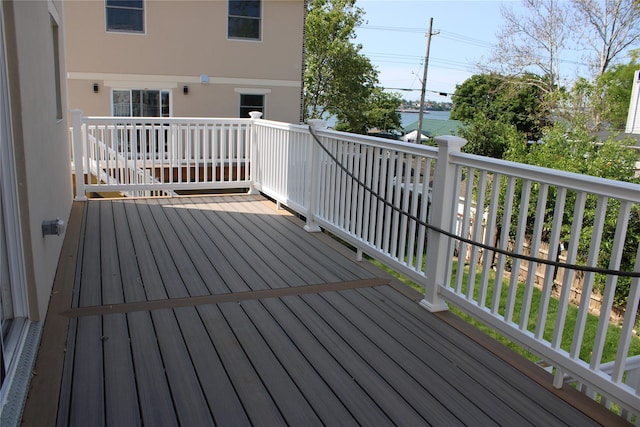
pixel 250 103
pixel 56 67
pixel 140 103
pixel 244 19
pixel 125 15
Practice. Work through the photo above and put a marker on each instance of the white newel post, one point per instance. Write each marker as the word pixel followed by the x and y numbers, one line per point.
pixel 78 158
pixel 442 212
pixel 312 179
pixel 255 115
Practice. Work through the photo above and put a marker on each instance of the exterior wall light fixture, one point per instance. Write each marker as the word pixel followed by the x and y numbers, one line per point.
pixel 53 227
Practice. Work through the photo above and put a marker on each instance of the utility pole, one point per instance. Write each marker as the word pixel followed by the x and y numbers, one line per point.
pixel 424 83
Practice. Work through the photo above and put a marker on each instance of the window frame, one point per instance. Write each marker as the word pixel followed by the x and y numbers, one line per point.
pixel 107 7
pixel 242 107
pixel 161 92
pixel 258 18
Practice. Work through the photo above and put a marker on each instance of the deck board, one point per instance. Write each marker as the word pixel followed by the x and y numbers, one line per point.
pixel 132 287
pixel 150 278
pixel 189 401
pixel 292 242
pixel 362 407
pixel 88 374
pixel 286 395
pixel 121 397
pixel 156 402
pixel 319 394
pixel 222 310
pixel 260 408
pixel 470 356
pixel 222 398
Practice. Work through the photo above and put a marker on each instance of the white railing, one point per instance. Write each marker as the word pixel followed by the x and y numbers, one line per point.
pixel 133 154
pixel 417 209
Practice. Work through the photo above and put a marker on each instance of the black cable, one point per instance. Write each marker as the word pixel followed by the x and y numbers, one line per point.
pixel 511 254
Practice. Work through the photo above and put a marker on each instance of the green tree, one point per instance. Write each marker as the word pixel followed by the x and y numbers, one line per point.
pixel 495 109
pixel 338 79
pixel 380 112
pixel 489 137
pixel 616 84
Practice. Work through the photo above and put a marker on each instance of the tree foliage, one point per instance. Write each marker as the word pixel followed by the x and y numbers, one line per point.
pixel 338 79
pixel 496 110
pixel 379 112
pixel 616 85
pixel 572 147
pixel 607 29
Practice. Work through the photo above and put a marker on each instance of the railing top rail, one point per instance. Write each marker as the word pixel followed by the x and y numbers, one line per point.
pixel 407 147
pixel 281 125
pixel 163 120
pixel 591 184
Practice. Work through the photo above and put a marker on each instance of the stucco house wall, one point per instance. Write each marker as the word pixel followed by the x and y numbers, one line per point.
pixel 35 182
pixel 184 40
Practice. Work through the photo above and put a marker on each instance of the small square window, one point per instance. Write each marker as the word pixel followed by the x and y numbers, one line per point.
pixel 249 103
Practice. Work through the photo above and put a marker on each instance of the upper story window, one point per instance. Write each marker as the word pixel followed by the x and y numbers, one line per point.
pixel 125 15
pixel 244 19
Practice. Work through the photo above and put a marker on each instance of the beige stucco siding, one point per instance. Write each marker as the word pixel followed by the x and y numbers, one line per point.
pixel 184 40
pixel 40 139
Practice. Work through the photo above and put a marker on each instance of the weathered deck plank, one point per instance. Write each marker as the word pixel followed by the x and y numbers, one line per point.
pixel 221 396
pixel 150 277
pixel 154 395
pixel 121 396
pixel 193 311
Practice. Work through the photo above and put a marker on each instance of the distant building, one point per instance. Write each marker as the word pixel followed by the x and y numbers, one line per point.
pixel 186 58
pixel 434 127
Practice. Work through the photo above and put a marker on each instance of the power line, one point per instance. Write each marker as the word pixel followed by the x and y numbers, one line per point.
pixel 461 38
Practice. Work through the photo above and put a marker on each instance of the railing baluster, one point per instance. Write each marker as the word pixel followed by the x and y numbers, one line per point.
pixel 478 225
pixel 523 214
pixel 554 240
pixel 464 227
pixel 610 285
pixel 489 233
pixel 534 248
pixel 567 279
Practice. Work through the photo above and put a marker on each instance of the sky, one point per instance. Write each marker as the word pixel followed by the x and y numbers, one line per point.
pixel 394 38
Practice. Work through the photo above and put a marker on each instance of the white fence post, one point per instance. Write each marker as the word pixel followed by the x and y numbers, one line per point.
pixel 443 211
pixel 253 164
pixel 78 154
pixel 312 191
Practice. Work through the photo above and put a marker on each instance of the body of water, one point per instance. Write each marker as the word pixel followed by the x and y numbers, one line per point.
pixel 407 118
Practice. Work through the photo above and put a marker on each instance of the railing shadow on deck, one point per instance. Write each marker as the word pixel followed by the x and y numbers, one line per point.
pixel 414 208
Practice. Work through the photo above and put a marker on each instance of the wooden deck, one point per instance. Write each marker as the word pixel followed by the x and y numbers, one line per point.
pixel 222 310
